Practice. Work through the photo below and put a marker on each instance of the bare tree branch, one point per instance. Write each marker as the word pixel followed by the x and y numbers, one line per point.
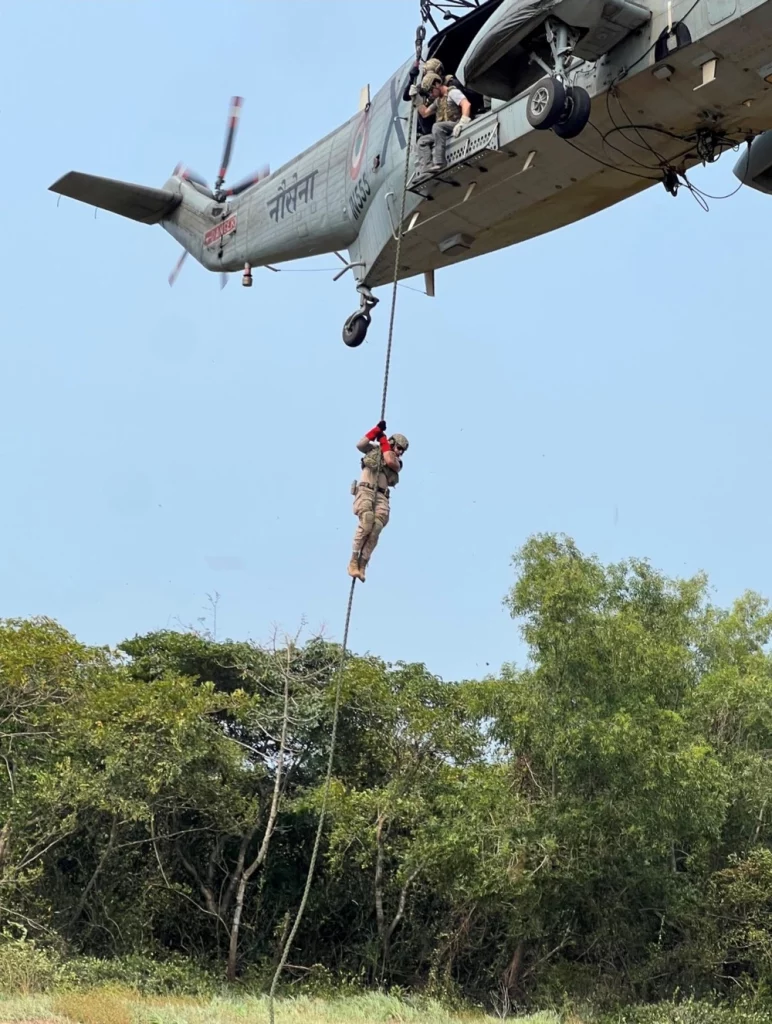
pixel 97 871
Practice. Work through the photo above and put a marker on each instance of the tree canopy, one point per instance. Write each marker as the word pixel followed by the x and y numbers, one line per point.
pixel 596 819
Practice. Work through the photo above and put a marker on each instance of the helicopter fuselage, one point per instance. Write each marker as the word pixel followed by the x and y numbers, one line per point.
pixel 344 192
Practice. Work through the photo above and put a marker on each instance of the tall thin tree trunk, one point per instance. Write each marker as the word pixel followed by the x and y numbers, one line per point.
pixel 378 880
pixel 512 974
pixel 388 932
pixel 759 823
pixel 244 875
pixel 233 948
pixel 5 835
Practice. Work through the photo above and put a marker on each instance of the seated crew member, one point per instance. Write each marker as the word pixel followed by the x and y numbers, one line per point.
pixel 452 111
pixel 380 471
pixel 479 104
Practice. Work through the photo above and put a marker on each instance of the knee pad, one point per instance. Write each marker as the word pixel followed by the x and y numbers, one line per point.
pixel 367 520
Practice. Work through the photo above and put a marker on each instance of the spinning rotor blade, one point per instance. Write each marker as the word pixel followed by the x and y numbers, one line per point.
pixel 187 174
pixel 178 267
pixel 233 119
pixel 245 183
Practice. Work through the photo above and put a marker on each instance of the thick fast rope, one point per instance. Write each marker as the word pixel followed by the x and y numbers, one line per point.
pixel 418 45
pixel 344 652
pixel 318 838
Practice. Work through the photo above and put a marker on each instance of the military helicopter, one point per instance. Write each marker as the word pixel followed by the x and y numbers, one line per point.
pixel 553 83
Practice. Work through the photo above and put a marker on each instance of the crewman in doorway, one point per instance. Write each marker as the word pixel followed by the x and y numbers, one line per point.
pixel 452 111
pixel 381 466
pixel 424 125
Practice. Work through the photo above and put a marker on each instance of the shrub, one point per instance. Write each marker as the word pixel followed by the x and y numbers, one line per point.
pixel 142 973
pixel 25 967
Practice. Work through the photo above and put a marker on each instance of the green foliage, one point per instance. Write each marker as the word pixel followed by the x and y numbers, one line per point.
pixel 740 918
pixel 594 825
pixel 689 1012
pixel 150 975
pixel 26 967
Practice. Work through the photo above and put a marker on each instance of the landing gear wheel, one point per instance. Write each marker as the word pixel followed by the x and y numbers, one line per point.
pixel 355 329
pixel 578 106
pixel 546 104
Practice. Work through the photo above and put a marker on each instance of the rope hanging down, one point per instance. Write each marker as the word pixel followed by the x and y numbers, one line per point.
pixel 420 35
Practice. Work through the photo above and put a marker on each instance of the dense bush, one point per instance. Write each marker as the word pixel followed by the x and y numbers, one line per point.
pixel 28 968
pixel 591 826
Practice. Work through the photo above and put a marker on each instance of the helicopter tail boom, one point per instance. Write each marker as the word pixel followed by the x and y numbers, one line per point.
pixel 137 202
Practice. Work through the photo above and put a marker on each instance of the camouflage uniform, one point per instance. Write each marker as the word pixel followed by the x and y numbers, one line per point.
pixel 373 514
pixel 448 114
pixel 425 140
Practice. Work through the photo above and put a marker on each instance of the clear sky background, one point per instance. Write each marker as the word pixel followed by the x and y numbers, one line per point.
pixel 611 381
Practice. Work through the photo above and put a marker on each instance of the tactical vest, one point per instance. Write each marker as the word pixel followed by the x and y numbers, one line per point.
pixel 374 460
pixel 447 109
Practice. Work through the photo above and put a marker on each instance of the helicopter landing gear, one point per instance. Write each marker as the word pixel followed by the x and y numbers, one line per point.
pixel 576 115
pixel 565 109
pixel 546 104
pixel 552 102
pixel 355 327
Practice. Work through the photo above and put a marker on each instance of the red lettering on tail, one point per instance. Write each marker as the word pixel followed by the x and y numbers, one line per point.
pixel 226 227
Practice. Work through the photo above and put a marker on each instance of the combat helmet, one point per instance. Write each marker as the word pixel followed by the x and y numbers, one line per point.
pixel 429 81
pixel 401 440
pixel 433 66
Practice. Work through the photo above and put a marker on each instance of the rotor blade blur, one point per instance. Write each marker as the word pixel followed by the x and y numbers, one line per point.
pixel 178 267
pixel 233 119
pixel 188 174
pixel 246 183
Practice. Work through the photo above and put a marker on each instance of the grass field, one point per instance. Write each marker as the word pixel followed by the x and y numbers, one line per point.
pixel 113 1007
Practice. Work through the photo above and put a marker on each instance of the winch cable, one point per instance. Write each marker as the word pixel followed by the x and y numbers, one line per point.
pixel 419 40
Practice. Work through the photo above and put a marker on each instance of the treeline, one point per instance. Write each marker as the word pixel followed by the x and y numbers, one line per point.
pixel 596 823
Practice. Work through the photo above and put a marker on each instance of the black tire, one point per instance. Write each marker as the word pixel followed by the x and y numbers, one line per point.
pixel 546 104
pixel 355 329
pixel 578 107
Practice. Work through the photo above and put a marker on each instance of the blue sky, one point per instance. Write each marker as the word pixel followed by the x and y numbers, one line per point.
pixel 610 381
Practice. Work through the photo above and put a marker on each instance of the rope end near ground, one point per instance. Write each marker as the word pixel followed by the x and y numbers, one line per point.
pixel 318 838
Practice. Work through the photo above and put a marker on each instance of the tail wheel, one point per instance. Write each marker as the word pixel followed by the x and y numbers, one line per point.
pixel 355 329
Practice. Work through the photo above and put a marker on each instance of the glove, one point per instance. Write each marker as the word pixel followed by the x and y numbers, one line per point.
pixel 412 91
pixel 376 432
pixel 413 73
pixel 460 126
pixel 384 443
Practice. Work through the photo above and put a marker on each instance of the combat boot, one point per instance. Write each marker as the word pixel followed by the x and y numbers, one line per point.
pixel 354 569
